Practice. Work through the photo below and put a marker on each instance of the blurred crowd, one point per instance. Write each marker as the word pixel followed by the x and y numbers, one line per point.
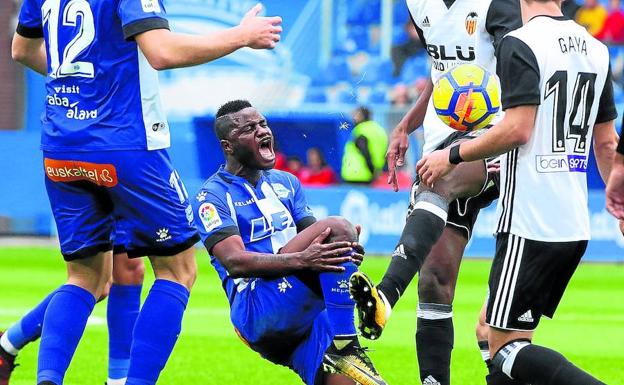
pixel 363 161
pixel 604 20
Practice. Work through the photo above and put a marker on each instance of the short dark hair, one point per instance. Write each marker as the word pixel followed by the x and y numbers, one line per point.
pixel 366 113
pixel 223 127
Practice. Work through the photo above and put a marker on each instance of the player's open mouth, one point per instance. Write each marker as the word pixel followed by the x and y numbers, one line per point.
pixel 265 148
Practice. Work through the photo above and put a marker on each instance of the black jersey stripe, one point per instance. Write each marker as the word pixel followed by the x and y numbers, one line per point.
pixel 504 224
pixel 503 196
pixel 505 193
pixel 512 190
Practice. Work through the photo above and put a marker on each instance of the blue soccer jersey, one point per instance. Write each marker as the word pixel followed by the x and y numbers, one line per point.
pixel 265 216
pixel 102 94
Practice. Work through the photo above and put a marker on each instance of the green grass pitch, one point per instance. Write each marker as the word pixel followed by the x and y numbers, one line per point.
pixel 588 327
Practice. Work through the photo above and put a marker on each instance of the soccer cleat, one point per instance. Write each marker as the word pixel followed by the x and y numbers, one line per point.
pixel 353 362
pixel 371 308
pixel 7 364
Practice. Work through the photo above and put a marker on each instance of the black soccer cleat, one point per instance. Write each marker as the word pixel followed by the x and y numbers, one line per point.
pixel 7 364
pixel 353 362
pixel 370 307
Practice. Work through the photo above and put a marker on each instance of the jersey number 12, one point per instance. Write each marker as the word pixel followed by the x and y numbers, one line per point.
pixel 74 9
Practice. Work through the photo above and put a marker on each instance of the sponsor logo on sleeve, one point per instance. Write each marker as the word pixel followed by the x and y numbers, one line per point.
pixel 561 163
pixel 150 6
pixel 209 216
pixel 72 171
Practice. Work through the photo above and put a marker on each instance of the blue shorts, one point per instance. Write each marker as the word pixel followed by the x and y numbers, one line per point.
pixel 284 321
pixel 120 238
pixel 91 191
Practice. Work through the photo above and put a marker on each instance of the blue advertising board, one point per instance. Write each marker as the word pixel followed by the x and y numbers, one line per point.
pixel 382 216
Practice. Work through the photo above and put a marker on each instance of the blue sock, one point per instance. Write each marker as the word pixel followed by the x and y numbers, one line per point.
pixel 156 331
pixel 124 303
pixel 339 305
pixel 28 328
pixel 64 322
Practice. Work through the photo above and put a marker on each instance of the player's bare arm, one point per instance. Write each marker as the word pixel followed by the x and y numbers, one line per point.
pixel 318 257
pixel 615 188
pixel 514 130
pixel 165 49
pixel 30 52
pixel 605 143
pixel 399 141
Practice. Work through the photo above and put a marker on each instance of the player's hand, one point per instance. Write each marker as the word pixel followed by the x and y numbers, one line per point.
pixel 615 190
pixel 260 32
pixel 493 166
pixel 434 166
pixel 321 256
pixel 399 143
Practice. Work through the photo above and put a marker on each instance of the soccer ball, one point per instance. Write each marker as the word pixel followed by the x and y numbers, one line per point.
pixel 466 97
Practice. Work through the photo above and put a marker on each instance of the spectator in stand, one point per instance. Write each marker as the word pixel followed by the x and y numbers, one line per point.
pixel 294 165
pixel 403 51
pixel 401 96
pixel 592 15
pixel 613 30
pixel 364 154
pixel 317 172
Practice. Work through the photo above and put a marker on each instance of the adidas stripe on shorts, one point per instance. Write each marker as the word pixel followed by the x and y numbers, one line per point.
pixel 528 279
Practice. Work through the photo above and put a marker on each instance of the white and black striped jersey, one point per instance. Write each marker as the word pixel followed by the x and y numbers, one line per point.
pixel 554 63
pixel 456 32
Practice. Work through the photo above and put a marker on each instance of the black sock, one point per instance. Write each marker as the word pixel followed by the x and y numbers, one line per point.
pixel 434 342
pixel 484 347
pixel 539 365
pixel 422 230
pixel 496 377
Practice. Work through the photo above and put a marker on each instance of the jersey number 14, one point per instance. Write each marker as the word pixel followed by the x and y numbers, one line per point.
pixel 67 65
pixel 582 101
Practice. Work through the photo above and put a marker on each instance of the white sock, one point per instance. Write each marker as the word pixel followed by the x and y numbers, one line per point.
pixel 117 381
pixel 7 345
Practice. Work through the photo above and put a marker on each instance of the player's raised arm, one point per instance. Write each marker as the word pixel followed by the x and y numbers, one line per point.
pixel 318 257
pixel 399 141
pixel 165 49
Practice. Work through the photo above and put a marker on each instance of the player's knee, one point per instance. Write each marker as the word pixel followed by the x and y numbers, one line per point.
pixel 106 291
pixel 129 272
pixel 434 285
pixel 180 268
pixel 341 229
pixel 482 329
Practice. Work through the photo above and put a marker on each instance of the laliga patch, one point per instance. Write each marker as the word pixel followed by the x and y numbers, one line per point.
pixel 281 190
pixel 150 6
pixel 209 216
pixel 72 171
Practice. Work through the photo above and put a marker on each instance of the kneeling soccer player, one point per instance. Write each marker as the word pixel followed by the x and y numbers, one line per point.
pixel 287 287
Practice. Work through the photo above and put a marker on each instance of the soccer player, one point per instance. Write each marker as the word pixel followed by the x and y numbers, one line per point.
pixel 440 219
pixel 104 144
pixel 615 187
pixel 557 96
pixel 285 274
pixel 124 301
